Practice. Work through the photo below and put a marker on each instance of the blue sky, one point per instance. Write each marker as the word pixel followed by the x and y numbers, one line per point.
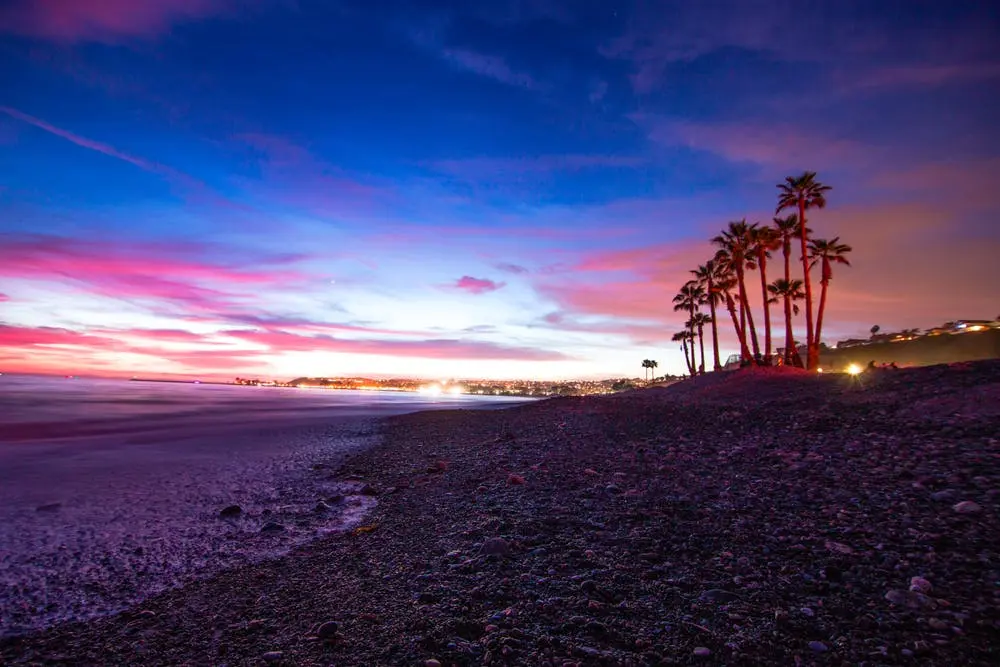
pixel 501 188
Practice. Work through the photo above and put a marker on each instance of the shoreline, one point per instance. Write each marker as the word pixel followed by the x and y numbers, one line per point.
pixel 756 517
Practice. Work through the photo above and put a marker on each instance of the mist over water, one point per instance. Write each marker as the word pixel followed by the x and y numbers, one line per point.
pixel 110 490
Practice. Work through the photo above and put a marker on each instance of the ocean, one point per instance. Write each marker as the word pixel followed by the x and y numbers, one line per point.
pixel 110 490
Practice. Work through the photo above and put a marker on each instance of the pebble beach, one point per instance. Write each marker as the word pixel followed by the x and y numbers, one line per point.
pixel 754 517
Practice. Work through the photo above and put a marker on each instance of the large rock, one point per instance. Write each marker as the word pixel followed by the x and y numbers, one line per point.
pixel 231 511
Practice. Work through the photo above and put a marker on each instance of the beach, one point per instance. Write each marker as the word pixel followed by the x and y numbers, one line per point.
pixel 757 517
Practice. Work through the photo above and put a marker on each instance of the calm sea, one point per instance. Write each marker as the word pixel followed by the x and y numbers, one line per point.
pixel 110 490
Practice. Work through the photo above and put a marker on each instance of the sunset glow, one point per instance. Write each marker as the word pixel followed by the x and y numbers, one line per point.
pixel 423 194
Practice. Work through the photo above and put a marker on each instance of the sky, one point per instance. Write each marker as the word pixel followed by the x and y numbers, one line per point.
pixel 494 188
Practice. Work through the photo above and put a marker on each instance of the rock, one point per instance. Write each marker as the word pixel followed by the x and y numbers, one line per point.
pixel 938 624
pixel 943 496
pixel 368 490
pixel 328 630
pixel 232 510
pixel 432 662
pixel 495 546
pixel 910 599
pixel 51 507
pixel 719 595
pixel 807 612
pixel 321 507
pixel 590 472
pixel 515 480
pixel 272 527
pixel 920 585
pixel 272 656
pixel 967 507
pixel 702 651
pixel 612 488
pixel 818 647
pixel 839 548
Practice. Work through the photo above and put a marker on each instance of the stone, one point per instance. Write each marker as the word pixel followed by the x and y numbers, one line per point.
pixel 232 510
pixel 515 480
pixel 368 490
pixel 272 527
pixel 272 656
pixel 818 647
pixel 967 507
pixel 839 548
pixel 702 651
pixel 432 662
pixel 943 496
pixel 495 546
pixel 612 488
pixel 328 630
pixel 719 595
pixel 911 599
pixel 920 585
pixel 590 472
pixel 321 507
pixel 807 612
pixel 51 507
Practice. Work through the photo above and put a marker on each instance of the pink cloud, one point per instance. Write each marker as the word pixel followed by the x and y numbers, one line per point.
pixel 280 341
pixel 477 285
pixel 133 270
pixel 923 76
pixel 4 297
pixel 103 20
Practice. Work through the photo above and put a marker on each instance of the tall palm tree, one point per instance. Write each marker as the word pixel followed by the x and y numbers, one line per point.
pixel 827 253
pixel 706 275
pixel 725 283
pixel 690 296
pixel 652 368
pixel 645 367
pixel 763 241
pixel 804 192
pixel 699 321
pixel 735 240
pixel 788 291
pixel 683 337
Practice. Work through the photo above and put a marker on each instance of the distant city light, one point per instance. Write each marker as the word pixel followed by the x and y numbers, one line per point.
pixel 455 391
pixel 430 389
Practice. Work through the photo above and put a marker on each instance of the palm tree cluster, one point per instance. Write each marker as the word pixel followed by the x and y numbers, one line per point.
pixel 742 247
pixel 650 365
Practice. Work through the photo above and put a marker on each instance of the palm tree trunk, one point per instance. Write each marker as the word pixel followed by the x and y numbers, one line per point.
pixel 746 306
pixel 731 305
pixel 822 306
pixel 743 317
pixel 812 354
pixel 789 336
pixel 715 326
pixel 701 343
pixel 762 262
pixel 686 359
pixel 694 360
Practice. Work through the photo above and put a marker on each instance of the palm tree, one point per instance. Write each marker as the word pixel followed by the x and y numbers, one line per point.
pixel 683 337
pixel 827 253
pixel 788 291
pixel 645 367
pixel 804 192
pixel 735 240
pixel 699 321
pixel 652 368
pixel 725 282
pixel 764 240
pixel 707 275
pixel 690 296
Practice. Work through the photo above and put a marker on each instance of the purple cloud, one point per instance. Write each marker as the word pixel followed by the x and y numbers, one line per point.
pixel 477 285
pixel 493 67
pixel 506 267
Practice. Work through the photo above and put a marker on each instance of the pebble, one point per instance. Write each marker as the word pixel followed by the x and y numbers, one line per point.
pixel 51 507
pixel 232 510
pixel 943 496
pixel 272 527
pixel 807 612
pixel 432 662
pixel 910 599
pixel 920 585
pixel 495 546
pixel 818 647
pixel 967 507
pixel 515 480
pixel 328 630
pixel 272 656
pixel 702 651
pixel 719 595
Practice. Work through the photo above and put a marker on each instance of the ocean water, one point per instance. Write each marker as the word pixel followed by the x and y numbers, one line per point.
pixel 110 490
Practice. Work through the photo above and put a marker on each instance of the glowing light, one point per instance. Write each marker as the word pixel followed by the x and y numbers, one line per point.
pixel 819 370
pixel 854 369
pixel 455 391
pixel 430 389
